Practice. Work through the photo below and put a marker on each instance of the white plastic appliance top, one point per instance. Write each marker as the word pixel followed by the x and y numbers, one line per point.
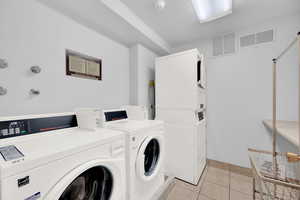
pixel 132 126
pixel 39 149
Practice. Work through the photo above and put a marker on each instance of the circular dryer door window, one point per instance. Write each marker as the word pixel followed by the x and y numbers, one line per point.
pixel 93 184
pixel 149 157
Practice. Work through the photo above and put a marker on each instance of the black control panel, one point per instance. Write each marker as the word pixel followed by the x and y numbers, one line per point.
pixel 115 115
pixel 200 116
pixel 30 126
pixel 199 71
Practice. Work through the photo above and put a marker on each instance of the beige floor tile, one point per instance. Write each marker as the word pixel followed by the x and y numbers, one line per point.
pixel 234 195
pixel 185 185
pixel 240 170
pixel 241 183
pixel 241 177
pixel 215 191
pixel 218 164
pixel 202 197
pixel 191 186
pixel 182 193
pixel 217 176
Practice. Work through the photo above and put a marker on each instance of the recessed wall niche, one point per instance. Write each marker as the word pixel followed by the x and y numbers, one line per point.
pixel 83 66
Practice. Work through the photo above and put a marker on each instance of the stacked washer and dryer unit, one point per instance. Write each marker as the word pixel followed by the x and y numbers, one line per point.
pixel 48 157
pixel 181 103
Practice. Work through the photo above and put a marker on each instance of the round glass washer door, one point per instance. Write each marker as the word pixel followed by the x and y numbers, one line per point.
pixel 150 157
pixel 94 184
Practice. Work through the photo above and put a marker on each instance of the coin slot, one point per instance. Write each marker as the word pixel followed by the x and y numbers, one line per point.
pixel 23 181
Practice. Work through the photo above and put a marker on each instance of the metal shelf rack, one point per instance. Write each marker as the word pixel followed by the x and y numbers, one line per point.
pixel 277 175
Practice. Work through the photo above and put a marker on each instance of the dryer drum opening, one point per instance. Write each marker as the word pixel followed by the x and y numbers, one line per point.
pixel 151 153
pixel 94 184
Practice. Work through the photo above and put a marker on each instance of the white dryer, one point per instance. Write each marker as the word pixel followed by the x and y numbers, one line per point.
pixel 48 157
pixel 145 153
pixel 180 81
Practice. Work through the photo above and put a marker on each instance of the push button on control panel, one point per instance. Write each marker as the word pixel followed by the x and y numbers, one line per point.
pixel 11 131
pixel 17 130
pixel 4 132
pixel 12 128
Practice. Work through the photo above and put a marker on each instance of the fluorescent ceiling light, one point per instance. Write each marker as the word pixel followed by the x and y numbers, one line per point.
pixel 208 10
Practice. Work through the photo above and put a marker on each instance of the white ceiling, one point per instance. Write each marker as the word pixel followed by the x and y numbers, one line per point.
pixel 95 15
pixel 178 23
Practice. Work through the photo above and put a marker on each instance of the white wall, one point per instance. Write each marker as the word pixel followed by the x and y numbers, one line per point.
pixel 32 34
pixel 133 75
pixel 142 71
pixel 240 94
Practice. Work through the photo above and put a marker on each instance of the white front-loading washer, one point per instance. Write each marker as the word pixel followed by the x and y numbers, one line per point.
pixel 50 158
pixel 145 152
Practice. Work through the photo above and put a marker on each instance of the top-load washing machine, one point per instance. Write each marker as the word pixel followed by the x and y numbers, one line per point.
pixel 48 157
pixel 144 153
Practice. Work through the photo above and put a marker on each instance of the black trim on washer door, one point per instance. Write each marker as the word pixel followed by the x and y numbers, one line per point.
pixel 152 153
pixel 94 184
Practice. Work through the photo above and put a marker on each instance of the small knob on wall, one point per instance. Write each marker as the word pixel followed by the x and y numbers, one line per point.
pixel 3 91
pixel 34 92
pixel 3 63
pixel 35 69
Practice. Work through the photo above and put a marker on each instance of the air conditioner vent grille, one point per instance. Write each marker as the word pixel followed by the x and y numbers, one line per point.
pixel 266 36
pixel 229 43
pixel 224 44
pixel 217 46
pixel 257 38
pixel 247 40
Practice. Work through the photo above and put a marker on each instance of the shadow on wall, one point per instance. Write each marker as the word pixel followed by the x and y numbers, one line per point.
pixel 151 94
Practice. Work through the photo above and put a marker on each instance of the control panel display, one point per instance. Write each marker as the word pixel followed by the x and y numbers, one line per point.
pixel 115 115
pixel 10 128
pixel 29 126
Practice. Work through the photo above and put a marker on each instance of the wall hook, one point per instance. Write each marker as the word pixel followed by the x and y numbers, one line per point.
pixel 3 91
pixel 35 69
pixel 34 92
pixel 3 63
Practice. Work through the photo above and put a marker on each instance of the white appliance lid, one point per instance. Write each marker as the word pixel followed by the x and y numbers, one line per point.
pixel 43 148
pixel 134 125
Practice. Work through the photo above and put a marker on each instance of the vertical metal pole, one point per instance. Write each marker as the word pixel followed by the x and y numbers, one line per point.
pixel 274 112
pixel 298 43
pixel 298 166
pixel 274 124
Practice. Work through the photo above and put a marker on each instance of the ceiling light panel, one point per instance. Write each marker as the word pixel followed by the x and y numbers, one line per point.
pixel 208 10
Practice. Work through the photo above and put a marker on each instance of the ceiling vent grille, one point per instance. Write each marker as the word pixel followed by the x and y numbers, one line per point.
pixel 223 45
pixel 247 40
pixel 257 38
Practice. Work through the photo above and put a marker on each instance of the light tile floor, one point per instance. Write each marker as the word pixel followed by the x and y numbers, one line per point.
pixel 216 183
